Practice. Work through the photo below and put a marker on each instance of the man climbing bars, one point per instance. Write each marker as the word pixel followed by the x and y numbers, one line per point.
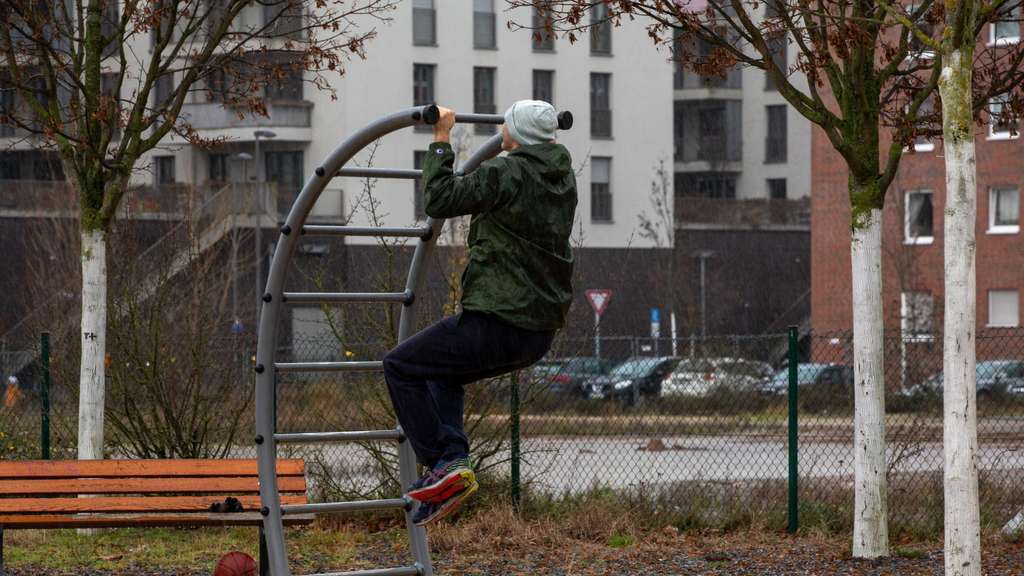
pixel 516 291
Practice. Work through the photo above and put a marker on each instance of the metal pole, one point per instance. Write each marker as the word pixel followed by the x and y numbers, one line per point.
pixel 259 226
pixel 675 341
pixel 703 303
pixel 514 401
pixel 794 522
pixel 597 335
pixel 44 396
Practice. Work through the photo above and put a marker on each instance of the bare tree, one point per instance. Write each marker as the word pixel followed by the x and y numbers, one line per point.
pixel 103 82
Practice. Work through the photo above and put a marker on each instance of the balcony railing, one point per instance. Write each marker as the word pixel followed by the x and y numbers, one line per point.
pixel 752 212
pixel 689 80
pixel 214 115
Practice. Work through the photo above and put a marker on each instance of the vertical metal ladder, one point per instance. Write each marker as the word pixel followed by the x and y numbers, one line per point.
pixel 275 297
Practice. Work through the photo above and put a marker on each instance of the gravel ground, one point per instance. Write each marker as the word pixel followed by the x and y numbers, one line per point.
pixel 666 553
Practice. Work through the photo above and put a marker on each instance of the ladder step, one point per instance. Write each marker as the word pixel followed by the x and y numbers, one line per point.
pixel 403 571
pixel 366 366
pixel 380 173
pixel 355 506
pixel 326 230
pixel 344 297
pixel 353 436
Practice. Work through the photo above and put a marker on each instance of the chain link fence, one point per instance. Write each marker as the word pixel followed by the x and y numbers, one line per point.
pixel 698 427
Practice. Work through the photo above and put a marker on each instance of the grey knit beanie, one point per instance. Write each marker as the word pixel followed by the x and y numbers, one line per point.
pixel 531 121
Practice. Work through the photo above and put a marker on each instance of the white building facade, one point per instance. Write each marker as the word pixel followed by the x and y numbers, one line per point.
pixel 464 56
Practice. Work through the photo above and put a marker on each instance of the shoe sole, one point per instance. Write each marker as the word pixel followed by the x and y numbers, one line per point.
pixel 446 487
pixel 450 505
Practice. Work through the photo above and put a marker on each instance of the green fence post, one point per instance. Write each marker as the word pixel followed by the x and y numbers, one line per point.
pixel 794 522
pixel 44 396
pixel 514 401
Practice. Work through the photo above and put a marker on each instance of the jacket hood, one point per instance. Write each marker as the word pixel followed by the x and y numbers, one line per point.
pixel 551 160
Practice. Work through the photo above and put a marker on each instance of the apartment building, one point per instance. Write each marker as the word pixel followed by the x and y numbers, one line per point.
pixel 912 253
pixel 462 55
pixel 736 137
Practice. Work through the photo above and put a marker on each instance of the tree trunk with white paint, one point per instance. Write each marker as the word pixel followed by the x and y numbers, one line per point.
pixel 960 418
pixel 870 524
pixel 94 339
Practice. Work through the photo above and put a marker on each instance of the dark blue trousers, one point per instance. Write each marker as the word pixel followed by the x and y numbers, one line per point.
pixel 426 375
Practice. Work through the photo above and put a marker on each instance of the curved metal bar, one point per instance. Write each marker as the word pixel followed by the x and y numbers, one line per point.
pixel 266 448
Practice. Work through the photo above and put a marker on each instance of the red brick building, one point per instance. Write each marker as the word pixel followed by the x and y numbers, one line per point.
pixel 913 237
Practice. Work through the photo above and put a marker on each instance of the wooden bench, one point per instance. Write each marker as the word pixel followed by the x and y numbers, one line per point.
pixel 134 493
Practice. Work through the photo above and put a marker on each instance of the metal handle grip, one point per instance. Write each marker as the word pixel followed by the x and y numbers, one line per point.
pixel 431 115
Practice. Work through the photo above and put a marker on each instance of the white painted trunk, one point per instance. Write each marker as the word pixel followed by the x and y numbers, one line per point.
pixel 94 345
pixel 960 418
pixel 870 525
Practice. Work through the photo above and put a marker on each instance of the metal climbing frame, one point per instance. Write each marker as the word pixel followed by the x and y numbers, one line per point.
pixel 274 297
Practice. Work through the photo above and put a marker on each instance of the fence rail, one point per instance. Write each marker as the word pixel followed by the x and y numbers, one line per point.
pixel 703 425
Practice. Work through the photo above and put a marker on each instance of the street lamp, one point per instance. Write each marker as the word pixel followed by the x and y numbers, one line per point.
pixel 244 158
pixel 703 256
pixel 259 133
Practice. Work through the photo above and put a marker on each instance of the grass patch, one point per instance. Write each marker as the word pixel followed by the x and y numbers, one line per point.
pixel 621 540
pixel 911 553
pixel 125 549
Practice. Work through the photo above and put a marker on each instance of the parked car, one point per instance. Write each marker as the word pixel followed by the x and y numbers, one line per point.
pixel 700 377
pixel 810 374
pixel 992 377
pixel 567 375
pixel 632 380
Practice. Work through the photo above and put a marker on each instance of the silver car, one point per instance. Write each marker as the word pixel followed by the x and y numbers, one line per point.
pixel 699 377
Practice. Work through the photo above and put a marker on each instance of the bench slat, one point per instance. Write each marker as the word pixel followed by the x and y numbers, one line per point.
pixel 128 504
pixel 140 468
pixel 134 520
pixel 230 485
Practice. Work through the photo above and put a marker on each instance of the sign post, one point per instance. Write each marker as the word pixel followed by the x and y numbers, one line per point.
pixel 655 328
pixel 599 302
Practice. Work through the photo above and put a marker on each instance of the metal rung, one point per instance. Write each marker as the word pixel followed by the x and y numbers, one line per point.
pixel 322 230
pixel 368 366
pixel 346 297
pixel 380 173
pixel 353 436
pixel 356 506
pixel 403 571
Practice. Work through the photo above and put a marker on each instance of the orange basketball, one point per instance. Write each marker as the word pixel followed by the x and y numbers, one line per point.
pixel 236 564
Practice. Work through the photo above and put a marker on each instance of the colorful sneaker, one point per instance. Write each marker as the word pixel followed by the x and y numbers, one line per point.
pixel 444 481
pixel 432 511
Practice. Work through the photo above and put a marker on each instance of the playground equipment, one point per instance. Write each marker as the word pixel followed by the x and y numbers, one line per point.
pixel 275 297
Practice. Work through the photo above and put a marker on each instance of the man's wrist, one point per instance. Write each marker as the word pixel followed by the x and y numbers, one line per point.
pixel 441 135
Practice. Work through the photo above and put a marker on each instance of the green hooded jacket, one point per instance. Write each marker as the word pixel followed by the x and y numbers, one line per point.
pixel 523 205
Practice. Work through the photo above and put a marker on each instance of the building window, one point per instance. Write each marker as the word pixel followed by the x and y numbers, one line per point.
pixel 162 89
pixel 163 170
pixel 924 113
pixel 600 30
pixel 1006 30
pixel 7 93
pixel 777 45
pixel 484 27
pixel 417 191
pixel 600 105
pixel 46 166
pixel 283 19
pixel 216 85
pixel 10 166
pixel 285 169
pixel 919 49
pixel 110 23
pixel 600 189
pixel 544 86
pixel 1002 125
pixel 1003 210
pixel 775 141
pixel 483 97
pixel 917 313
pixel 1003 309
pixel 918 227
pixel 423 89
pixel 777 188
pixel 706 184
pixel 424 30
pixel 285 82
pixel 218 169
pixel 543 38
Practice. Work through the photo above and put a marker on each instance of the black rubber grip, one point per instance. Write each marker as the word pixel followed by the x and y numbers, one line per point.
pixel 431 114
pixel 564 120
